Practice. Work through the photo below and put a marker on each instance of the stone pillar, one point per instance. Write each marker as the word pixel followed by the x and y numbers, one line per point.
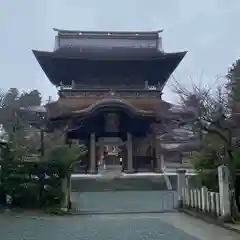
pixel 181 184
pixel 92 154
pixel 129 153
pixel 224 191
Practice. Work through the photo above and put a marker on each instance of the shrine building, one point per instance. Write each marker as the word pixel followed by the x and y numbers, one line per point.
pixel 110 91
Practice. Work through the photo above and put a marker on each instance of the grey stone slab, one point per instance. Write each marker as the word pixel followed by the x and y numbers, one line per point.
pixel 198 228
pixel 88 228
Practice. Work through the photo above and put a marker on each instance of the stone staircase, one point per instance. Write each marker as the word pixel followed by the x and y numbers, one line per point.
pixel 112 171
pixel 111 192
pixel 112 180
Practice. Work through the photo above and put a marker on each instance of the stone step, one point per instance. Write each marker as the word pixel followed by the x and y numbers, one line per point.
pixel 118 184
pixel 111 171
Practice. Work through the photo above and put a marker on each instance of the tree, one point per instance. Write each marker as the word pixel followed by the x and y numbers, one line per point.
pixel 10 104
pixel 215 126
pixel 18 167
pixel 233 86
pixel 33 98
pixel 11 97
pixel 20 157
pixel 57 151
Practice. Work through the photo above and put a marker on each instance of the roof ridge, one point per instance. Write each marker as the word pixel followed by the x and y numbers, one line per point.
pixel 107 32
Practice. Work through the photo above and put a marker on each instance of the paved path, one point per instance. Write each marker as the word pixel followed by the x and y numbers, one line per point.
pixel 167 226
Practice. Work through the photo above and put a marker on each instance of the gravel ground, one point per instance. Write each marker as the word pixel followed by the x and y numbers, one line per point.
pixel 165 226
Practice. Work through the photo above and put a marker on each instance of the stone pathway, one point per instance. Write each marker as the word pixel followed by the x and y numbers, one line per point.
pixel 124 201
pixel 165 226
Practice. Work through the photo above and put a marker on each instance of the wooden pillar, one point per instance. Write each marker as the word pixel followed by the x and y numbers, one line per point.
pixel 159 156
pixel 129 153
pixel 93 154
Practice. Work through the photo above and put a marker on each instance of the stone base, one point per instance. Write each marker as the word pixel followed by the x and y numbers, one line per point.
pixel 158 170
pixel 180 204
pixel 94 172
pixel 131 171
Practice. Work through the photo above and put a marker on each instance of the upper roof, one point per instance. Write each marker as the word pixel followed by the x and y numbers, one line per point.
pixel 84 55
pixel 109 66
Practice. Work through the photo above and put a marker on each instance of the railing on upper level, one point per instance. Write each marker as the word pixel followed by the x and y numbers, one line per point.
pixel 118 85
pixel 89 93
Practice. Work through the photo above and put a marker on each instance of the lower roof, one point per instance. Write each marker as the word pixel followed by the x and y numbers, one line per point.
pixel 105 105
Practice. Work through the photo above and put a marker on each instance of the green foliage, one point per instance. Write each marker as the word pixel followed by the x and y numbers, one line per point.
pixel 31 184
pixel 32 181
pixel 233 77
pixel 206 163
pixel 36 183
pixel 10 103
pixel 57 151
pixel 236 157
pixel 210 157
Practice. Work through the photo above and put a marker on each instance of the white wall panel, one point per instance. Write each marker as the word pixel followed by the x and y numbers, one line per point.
pixel 105 43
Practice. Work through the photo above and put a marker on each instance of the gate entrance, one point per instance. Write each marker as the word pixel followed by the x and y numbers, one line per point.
pixel 113 92
pixel 104 195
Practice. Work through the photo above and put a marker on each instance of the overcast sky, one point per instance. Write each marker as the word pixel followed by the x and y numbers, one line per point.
pixel 207 29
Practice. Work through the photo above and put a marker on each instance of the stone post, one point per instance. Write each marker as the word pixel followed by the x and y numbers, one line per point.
pixel 146 84
pixel 204 197
pixel 92 153
pixel 224 191
pixel 64 204
pixel 181 184
pixel 129 153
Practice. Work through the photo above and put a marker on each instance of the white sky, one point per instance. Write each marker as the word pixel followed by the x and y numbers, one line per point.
pixel 207 29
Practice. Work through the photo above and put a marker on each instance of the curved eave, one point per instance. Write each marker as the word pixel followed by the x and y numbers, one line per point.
pixel 115 55
pixel 59 66
pixel 105 105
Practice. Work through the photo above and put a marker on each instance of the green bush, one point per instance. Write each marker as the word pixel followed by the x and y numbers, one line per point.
pixel 33 185
pixel 36 182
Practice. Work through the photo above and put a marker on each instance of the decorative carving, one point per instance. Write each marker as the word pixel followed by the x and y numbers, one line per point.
pixel 112 93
